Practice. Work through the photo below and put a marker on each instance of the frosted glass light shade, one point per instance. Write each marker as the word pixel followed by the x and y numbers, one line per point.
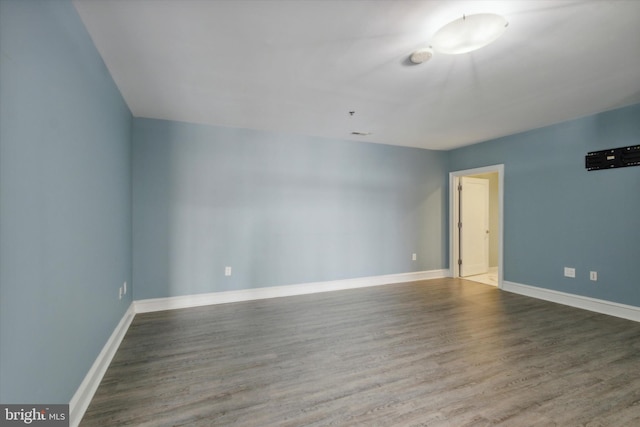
pixel 469 33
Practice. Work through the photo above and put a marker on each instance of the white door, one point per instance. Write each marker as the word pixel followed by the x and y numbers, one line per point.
pixel 474 230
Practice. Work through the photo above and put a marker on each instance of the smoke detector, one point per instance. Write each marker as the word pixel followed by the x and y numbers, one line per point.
pixel 421 55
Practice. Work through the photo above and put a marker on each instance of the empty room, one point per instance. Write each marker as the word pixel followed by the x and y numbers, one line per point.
pixel 319 212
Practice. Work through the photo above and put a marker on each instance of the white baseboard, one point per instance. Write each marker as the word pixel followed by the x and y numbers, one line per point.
pixel 586 303
pixel 186 301
pixel 81 399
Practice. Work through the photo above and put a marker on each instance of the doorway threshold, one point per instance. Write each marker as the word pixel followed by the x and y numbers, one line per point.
pixel 489 278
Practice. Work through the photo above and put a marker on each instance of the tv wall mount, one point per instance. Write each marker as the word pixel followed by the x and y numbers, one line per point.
pixel 613 158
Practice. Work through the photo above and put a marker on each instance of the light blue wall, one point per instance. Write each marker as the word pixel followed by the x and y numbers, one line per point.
pixel 557 214
pixel 279 209
pixel 65 211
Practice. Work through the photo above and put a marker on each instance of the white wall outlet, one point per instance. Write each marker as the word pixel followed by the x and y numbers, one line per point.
pixel 414 257
pixel 569 272
pixel 593 276
pixel 227 271
pixel 124 287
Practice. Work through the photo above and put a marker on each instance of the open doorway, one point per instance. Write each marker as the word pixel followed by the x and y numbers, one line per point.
pixel 476 224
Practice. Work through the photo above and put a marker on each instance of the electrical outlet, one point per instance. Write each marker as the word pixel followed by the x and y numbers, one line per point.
pixel 124 287
pixel 593 276
pixel 414 257
pixel 227 271
pixel 570 272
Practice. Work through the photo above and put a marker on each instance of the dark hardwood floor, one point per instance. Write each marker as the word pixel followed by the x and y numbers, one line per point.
pixel 443 352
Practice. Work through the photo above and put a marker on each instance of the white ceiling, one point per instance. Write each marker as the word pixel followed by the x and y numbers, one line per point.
pixel 301 65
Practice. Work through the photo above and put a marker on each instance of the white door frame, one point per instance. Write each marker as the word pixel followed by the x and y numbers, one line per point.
pixel 454 179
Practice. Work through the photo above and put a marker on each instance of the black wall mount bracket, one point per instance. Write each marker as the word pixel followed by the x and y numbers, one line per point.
pixel 613 158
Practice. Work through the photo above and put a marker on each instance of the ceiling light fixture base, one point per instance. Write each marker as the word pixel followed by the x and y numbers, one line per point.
pixel 421 55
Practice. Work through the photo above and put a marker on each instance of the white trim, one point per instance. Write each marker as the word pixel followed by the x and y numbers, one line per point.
pixel 186 301
pixel 81 399
pixel 454 178
pixel 586 303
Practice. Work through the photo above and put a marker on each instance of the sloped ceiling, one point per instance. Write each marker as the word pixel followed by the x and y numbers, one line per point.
pixel 302 65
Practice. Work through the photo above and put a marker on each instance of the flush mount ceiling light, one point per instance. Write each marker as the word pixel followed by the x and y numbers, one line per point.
pixel 469 33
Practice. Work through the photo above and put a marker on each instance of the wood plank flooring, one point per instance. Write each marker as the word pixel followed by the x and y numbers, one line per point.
pixel 443 352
